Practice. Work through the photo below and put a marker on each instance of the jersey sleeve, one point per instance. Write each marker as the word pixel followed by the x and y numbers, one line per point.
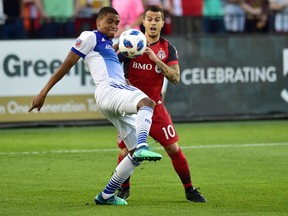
pixel 84 43
pixel 173 55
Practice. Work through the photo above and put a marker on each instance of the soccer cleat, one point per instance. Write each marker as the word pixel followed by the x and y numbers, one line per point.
pixel 124 193
pixel 143 153
pixel 194 195
pixel 114 200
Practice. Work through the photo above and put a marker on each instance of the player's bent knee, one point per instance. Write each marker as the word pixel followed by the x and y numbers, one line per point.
pixel 124 152
pixel 172 149
pixel 146 102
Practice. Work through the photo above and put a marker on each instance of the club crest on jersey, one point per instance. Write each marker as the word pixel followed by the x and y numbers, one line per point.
pixel 109 47
pixel 161 54
pixel 78 42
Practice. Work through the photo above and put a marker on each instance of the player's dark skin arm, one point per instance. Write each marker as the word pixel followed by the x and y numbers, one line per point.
pixel 64 68
pixel 172 73
pixel 116 46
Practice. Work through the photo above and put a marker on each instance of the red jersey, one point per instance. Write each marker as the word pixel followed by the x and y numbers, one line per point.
pixel 145 74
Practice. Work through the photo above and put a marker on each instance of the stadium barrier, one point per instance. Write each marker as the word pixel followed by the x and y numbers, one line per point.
pixel 222 77
pixel 230 77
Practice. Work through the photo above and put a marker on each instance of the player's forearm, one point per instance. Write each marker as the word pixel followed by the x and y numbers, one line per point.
pixel 171 73
pixel 58 75
pixel 64 68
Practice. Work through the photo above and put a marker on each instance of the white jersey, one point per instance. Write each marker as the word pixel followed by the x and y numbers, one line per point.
pixel 99 56
pixel 114 98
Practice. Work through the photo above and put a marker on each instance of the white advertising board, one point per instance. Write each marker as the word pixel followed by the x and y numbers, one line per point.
pixel 25 67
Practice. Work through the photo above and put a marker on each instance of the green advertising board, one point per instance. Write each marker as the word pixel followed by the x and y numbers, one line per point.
pixel 228 77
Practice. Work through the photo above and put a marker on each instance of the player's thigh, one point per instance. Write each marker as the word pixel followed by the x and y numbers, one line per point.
pixel 163 129
pixel 125 126
pixel 120 100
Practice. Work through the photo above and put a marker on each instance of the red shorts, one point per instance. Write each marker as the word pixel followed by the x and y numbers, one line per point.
pixel 162 128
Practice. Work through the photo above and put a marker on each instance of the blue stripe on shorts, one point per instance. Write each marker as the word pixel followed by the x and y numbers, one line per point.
pixel 127 87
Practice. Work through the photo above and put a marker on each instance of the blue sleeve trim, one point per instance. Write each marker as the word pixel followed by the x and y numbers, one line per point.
pixel 77 52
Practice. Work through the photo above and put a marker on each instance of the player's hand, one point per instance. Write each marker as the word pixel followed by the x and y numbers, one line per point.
pixel 151 54
pixel 37 103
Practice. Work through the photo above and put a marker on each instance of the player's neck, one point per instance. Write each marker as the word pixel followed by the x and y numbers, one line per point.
pixel 152 40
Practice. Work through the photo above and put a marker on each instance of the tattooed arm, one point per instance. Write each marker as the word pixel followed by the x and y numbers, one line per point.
pixel 172 73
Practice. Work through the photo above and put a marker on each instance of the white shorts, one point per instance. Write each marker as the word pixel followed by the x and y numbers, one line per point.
pixel 118 102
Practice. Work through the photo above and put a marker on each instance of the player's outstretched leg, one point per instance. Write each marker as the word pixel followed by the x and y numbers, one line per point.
pixel 143 124
pixel 143 153
pixel 124 169
pixel 113 200
pixel 124 190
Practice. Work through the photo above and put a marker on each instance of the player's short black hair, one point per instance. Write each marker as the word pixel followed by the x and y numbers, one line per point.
pixel 105 10
pixel 154 8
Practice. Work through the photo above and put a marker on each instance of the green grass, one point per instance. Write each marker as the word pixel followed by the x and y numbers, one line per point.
pixel 236 179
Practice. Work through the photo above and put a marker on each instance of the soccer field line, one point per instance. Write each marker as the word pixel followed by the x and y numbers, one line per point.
pixel 159 148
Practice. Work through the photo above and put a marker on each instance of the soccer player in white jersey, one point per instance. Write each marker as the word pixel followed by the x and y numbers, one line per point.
pixel 114 98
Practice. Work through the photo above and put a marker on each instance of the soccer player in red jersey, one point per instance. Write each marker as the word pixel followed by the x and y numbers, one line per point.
pixel 147 73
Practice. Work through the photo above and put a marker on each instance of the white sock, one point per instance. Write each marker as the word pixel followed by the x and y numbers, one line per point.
pixel 124 169
pixel 143 125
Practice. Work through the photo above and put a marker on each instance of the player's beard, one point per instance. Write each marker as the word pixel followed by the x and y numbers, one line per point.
pixel 154 36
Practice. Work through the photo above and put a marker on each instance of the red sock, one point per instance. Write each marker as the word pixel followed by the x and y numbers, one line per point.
pixel 120 158
pixel 181 167
pixel 126 183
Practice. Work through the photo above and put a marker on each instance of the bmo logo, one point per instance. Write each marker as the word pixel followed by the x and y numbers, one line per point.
pixel 140 66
